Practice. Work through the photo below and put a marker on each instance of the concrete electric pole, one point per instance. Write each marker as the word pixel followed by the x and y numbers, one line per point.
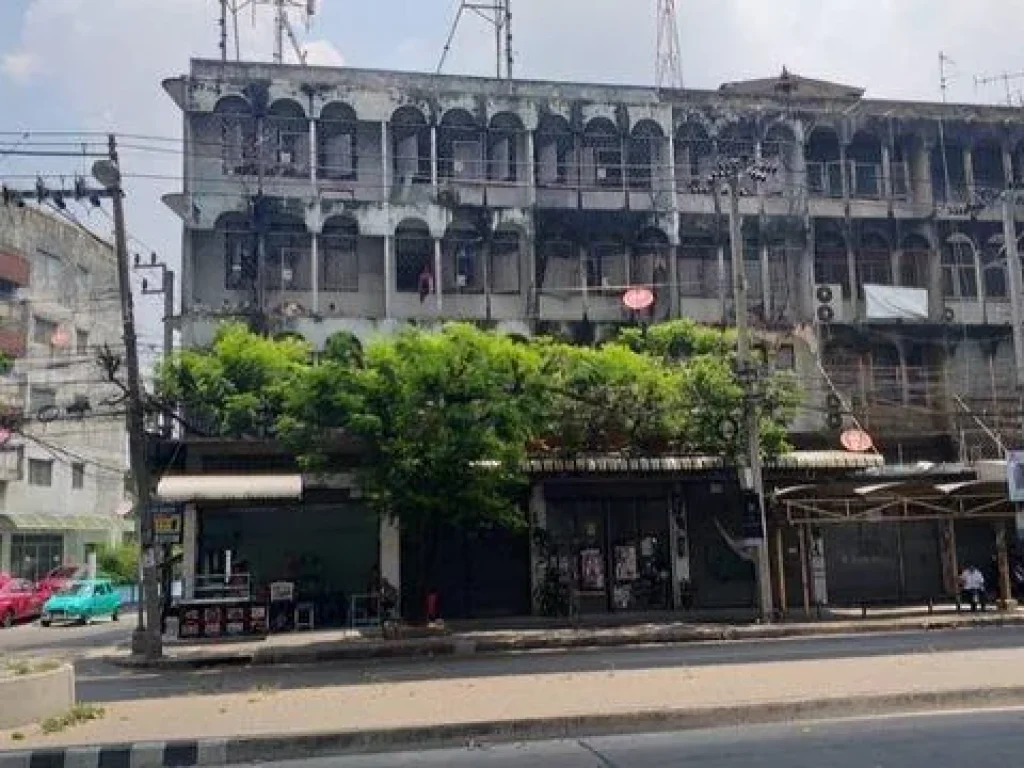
pixel 146 639
pixel 729 174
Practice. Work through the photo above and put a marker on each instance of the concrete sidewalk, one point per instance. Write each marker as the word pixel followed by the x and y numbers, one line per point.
pixel 275 724
pixel 340 645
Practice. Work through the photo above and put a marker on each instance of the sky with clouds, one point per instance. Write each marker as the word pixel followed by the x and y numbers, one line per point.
pixel 96 65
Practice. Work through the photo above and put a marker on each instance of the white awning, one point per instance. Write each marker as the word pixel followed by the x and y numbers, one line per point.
pixel 176 489
pixel 31 521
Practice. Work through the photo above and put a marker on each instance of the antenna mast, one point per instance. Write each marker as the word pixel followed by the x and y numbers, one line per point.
pixel 669 65
pixel 282 24
pixel 498 14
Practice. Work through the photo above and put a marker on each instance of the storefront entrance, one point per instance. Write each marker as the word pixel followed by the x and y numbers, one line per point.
pixel 615 552
pixel 327 551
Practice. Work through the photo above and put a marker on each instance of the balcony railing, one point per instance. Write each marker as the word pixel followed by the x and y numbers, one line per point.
pixel 825 179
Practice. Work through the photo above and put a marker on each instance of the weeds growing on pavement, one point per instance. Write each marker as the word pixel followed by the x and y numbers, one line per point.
pixel 80 713
pixel 17 736
pixel 22 667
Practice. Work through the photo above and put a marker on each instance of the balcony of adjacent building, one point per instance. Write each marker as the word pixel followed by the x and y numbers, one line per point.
pixel 584 275
pixel 872 278
pixel 469 273
pixel 601 167
pixel 889 385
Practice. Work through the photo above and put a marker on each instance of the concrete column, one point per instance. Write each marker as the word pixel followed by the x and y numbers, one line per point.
pixel 538 520
pixel 780 572
pixel 189 552
pixel 584 286
pixel 969 170
pixel 805 575
pixel 385 161
pixel 723 282
pixel 314 261
pixel 5 552
pixel 389 275
pixel 765 288
pixel 528 287
pixel 1005 593
pixel 936 301
pixel 391 556
pixel 673 279
pixel 433 158
pixel 886 186
pixel 437 274
pixel 844 171
pixel 531 171
pixel 950 567
pixel 312 157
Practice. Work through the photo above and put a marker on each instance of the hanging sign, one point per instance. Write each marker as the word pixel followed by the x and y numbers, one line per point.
pixel 856 440
pixel 638 299
pixel 168 523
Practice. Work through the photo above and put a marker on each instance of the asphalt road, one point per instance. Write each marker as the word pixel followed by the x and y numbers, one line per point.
pixel 66 640
pixel 99 681
pixel 980 739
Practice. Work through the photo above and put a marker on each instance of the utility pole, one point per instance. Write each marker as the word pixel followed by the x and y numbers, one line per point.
pixel 165 289
pixel 1016 287
pixel 729 175
pixel 146 639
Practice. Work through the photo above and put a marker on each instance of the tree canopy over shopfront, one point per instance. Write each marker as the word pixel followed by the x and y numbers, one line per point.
pixel 448 417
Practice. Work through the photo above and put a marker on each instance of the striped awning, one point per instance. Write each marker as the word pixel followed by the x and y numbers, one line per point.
pixel 799 460
pixel 53 522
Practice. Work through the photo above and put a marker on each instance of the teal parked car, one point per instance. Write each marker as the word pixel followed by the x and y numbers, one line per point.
pixel 81 601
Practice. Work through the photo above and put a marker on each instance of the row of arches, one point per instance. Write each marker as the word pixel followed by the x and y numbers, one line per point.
pixel 969 269
pixel 601 153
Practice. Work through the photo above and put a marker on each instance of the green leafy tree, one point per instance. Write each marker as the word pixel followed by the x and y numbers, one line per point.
pixel 120 562
pixel 445 418
pixel 238 386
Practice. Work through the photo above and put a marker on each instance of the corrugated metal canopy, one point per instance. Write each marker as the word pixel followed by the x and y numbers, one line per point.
pixel 54 522
pixel 612 464
pixel 176 489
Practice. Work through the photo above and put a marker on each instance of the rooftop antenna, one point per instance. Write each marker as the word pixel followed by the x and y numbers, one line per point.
pixel 669 65
pixel 1005 78
pixel 944 80
pixel 498 14
pixel 282 24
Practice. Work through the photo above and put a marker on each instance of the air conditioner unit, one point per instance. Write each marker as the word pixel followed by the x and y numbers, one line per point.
pixel 828 303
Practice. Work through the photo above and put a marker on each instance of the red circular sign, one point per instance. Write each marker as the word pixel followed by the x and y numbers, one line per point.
pixel 638 298
pixel 856 440
pixel 60 338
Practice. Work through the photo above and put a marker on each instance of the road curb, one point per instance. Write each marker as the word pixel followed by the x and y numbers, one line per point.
pixel 458 645
pixel 261 749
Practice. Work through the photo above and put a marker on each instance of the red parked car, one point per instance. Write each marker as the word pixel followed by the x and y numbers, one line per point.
pixel 60 578
pixel 19 599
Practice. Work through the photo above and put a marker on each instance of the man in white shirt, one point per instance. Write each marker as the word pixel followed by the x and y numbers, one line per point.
pixel 972 584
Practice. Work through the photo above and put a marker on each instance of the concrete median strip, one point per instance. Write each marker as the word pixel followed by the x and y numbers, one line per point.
pixel 257 749
pixel 557 639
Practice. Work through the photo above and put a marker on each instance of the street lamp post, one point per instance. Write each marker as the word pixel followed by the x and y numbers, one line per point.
pixel 146 639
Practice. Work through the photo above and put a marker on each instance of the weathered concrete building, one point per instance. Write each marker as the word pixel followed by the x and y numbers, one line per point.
pixel 347 199
pixel 318 200
pixel 62 444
